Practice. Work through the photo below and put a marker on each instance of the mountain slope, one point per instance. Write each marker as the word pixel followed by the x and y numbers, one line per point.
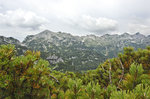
pixel 76 53
pixel 85 52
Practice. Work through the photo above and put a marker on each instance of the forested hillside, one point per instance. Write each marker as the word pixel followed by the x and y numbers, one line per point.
pixel 30 77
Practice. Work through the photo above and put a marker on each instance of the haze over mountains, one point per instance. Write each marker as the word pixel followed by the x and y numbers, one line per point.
pixel 76 53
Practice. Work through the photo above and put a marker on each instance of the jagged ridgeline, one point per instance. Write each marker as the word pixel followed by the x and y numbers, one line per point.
pixel 78 53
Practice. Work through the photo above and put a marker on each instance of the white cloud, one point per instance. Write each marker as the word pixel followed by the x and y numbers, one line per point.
pixel 22 19
pixel 79 17
pixel 98 25
pixel 87 23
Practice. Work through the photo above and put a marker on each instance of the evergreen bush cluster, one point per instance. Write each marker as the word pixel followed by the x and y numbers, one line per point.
pixel 30 77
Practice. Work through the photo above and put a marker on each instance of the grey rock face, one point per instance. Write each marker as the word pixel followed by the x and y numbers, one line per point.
pixel 84 52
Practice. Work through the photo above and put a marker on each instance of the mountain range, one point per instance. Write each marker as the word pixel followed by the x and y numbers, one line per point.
pixel 77 53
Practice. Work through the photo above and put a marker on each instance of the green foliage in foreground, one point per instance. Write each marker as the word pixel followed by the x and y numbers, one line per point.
pixel 30 77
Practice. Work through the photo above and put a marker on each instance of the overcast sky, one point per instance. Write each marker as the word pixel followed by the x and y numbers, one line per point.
pixel 19 18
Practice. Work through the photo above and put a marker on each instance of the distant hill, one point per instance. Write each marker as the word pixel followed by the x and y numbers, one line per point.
pixel 10 40
pixel 76 53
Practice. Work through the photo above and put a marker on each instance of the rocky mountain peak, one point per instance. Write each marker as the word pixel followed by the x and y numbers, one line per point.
pixel 138 35
pixel 46 31
pixel 125 34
